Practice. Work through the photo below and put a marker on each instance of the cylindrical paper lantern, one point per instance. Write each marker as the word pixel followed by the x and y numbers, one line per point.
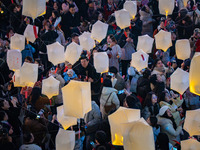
pixel 122 18
pixel 17 41
pixel 99 31
pixel 14 59
pixel 56 53
pixel 131 7
pixel 30 33
pixel 145 43
pixel 166 7
pixel 101 62
pixel 183 49
pixel 86 42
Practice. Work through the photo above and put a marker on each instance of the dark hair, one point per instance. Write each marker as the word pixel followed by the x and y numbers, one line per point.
pixel 171 118
pixel 113 69
pixel 107 83
pixel 153 79
pixel 56 13
pixel 112 37
pixel 2 115
pixel 35 95
pixel 133 102
pixel 155 63
pixel 29 59
pixel 187 63
pixel 71 6
pixel 153 121
pixel 74 35
pixel 27 137
pixel 146 73
pixel 100 136
pixel 148 99
pixel 162 141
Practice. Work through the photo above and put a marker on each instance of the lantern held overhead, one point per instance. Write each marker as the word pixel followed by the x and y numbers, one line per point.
pixel 101 62
pixel 17 41
pixel 122 18
pixel 145 43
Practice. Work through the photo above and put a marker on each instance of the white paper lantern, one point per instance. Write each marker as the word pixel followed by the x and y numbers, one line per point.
pixel 65 140
pixel 17 41
pixel 16 79
pixel 73 52
pixel 163 40
pixel 145 43
pixel 190 144
pixel 14 59
pixel 183 49
pixel 179 81
pixel 86 42
pixel 140 60
pixel 192 122
pixel 122 18
pixel 56 53
pixel 28 74
pixel 101 62
pixel 65 121
pixel 29 33
pixel 34 8
pixel 194 75
pixel 166 7
pixel 131 7
pixel 138 136
pixel 99 31
pixel 122 115
pixel 50 87
pixel 77 98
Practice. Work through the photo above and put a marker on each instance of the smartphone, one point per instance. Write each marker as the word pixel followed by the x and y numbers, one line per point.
pixel 183 118
pixel 174 148
pixel 110 74
pixel 38 117
pixel 121 92
pixel 93 144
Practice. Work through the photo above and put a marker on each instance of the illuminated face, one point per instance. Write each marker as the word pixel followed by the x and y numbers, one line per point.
pixel 169 113
pixel 84 63
pixel 159 64
pixel 154 99
pixel 72 10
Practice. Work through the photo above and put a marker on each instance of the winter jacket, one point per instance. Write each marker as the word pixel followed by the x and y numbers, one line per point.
pixel 146 18
pixel 150 111
pixel 120 83
pixel 59 99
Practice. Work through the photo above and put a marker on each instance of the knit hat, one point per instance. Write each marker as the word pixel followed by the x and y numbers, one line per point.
pixel 163 110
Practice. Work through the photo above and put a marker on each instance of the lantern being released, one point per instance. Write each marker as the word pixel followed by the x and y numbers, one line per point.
pixel 140 60
pixel 101 62
pixel 122 18
pixel 131 7
pixel 145 43
pixel 56 53
pixel 99 31
pixel 183 50
pixel 138 136
pixel 50 87
pixel 194 75
pixel 73 52
pixel 14 59
pixel 31 33
pixel 76 98
pixel 86 42
pixel 122 115
pixel 28 74
pixel 17 42
pixel 179 81
pixel 163 40
pixel 65 140
pixel 190 144
pixel 192 122
pixel 166 7
pixel 34 8
pixel 65 121
pixel 16 79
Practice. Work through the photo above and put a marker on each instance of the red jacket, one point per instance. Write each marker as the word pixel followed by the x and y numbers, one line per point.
pixel 108 12
pixel 197 46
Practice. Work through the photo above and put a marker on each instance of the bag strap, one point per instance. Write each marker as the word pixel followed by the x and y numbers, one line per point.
pixel 108 98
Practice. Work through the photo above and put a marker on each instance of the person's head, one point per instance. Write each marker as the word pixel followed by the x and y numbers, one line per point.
pixel 162 23
pixel 4 104
pixel 70 72
pixel 132 101
pixel 28 59
pixel 110 2
pixel 91 5
pixel 84 61
pixel 182 13
pixel 150 99
pixel 72 9
pixel 100 137
pixel 3 116
pixel 146 73
pixel 186 64
pixel 111 39
pixel 113 69
pixel 162 141
pixel 107 83
pixel 152 121
pixel 165 112
pixel 55 14
pixel 75 38
pixel 55 6
pixel 158 63
pixel 65 7
pixel 28 138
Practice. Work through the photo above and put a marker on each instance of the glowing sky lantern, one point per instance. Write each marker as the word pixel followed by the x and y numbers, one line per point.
pixel 183 49
pixel 122 115
pixel 56 53
pixel 122 18
pixel 101 62
pixel 145 43
pixel 192 122
pixel 194 75
pixel 99 31
pixel 190 144
pixel 131 7
pixel 65 140
pixel 138 136
pixel 31 33
pixel 76 98
pixel 185 2
pixel 16 79
pixel 65 121
pixel 14 59
pixel 140 60
pixel 73 52
pixel 34 8
pixel 179 81
pixel 17 41
pixel 166 7
pixel 163 40
pixel 50 87
pixel 86 42
pixel 28 74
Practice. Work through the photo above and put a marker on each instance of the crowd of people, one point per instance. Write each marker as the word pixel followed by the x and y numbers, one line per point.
pixel 28 119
